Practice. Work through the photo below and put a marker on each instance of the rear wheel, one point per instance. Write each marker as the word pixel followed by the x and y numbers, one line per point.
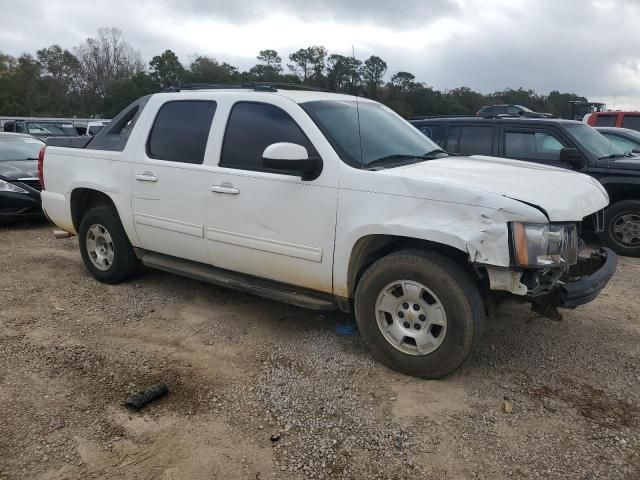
pixel 419 312
pixel 104 246
pixel 622 228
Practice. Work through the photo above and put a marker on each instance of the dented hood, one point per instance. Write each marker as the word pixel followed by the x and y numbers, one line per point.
pixel 562 194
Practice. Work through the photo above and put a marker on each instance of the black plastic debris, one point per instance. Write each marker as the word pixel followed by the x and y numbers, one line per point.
pixel 154 392
pixel 275 437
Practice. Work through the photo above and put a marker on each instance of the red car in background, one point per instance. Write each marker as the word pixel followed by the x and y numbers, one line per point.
pixel 629 120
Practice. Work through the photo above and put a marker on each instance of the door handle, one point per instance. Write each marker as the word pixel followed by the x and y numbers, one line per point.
pixel 226 187
pixel 146 177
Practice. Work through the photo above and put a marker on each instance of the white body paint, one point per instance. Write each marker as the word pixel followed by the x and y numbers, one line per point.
pixel 303 232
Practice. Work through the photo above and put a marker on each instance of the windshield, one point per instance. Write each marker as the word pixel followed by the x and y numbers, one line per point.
pixel 19 148
pixel 379 133
pixel 594 141
pixel 51 129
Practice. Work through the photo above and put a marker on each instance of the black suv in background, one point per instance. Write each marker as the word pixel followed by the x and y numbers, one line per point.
pixel 561 143
pixel 510 110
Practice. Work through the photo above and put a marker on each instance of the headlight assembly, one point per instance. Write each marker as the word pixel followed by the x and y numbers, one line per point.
pixel 10 187
pixel 545 244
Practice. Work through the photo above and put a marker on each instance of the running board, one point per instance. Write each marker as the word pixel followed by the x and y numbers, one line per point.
pixel 246 283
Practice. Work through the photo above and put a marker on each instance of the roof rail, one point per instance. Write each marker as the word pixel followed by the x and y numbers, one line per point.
pixel 427 117
pixel 257 86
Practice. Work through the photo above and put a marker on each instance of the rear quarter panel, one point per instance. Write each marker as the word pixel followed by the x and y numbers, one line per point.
pixel 67 169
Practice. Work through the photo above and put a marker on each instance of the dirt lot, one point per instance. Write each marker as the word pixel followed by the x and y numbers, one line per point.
pixel 242 369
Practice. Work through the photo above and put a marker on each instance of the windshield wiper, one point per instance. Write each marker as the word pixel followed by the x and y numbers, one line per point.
pixel 613 155
pixel 396 159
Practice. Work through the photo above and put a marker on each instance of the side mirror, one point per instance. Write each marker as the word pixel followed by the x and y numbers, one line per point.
pixel 290 157
pixel 571 155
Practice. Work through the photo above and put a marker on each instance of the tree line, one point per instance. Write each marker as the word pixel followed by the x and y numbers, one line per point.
pixel 103 74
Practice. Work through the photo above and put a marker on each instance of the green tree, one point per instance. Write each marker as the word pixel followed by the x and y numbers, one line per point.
pixel 269 69
pixel 373 71
pixel 123 92
pixel 166 69
pixel 205 69
pixel 344 73
pixel 308 63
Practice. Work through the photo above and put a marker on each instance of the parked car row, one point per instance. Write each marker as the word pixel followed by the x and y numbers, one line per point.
pixel 331 201
pixel 47 128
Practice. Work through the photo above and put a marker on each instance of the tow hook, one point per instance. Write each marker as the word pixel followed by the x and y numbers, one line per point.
pixel 61 234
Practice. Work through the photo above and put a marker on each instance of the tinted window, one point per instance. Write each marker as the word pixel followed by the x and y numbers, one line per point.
pixel 181 130
pixel 606 120
pixel 251 128
pixel 476 140
pixel 453 138
pixel 540 146
pixel 631 121
pixel 434 132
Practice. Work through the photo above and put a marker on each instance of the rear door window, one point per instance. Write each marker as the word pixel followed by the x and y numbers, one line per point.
pixel 631 121
pixel 180 131
pixel 538 146
pixel 606 120
pixel 476 140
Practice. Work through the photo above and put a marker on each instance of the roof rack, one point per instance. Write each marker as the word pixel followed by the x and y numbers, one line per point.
pixel 256 86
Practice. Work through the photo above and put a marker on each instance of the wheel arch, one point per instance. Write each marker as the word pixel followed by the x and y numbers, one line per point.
pixel 84 199
pixel 370 248
pixel 620 189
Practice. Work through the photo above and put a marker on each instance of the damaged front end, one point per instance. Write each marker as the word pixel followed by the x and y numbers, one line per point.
pixel 550 270
pixel 548 289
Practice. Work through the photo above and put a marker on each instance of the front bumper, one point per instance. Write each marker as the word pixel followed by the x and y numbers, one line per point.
pixel 20 206
pixel 581 284
pixel 586 279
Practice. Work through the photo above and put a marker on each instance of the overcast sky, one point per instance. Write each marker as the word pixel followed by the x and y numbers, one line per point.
pixel 590 47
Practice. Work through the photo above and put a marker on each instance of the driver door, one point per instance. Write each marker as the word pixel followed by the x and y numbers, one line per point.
pixel 264 222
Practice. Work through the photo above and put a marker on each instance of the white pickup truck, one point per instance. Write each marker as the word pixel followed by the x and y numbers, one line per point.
pixel 327 201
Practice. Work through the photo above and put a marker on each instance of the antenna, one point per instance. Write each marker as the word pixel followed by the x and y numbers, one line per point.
pixel 353 55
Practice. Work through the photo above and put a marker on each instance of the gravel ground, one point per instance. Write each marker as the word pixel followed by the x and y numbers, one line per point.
pixel 261 390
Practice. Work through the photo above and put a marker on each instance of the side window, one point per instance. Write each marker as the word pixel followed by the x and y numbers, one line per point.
pixel 631 121
pixel 114 137
pixel 529 145
pixel 251 128
pixel 606 120
pixel 180 131
pixel 434 132
pixel 20 128
pixel 453 140
pixel 513 110
pixel 476 140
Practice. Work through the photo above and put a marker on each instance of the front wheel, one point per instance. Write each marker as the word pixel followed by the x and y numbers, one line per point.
pixel 419 312
pixel 104 246
pixel 622 228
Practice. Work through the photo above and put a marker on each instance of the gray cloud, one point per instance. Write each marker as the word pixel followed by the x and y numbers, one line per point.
pixel 589 47
pixel 398 13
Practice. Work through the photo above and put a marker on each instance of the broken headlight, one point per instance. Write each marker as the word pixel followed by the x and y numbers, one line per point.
pixel 545 244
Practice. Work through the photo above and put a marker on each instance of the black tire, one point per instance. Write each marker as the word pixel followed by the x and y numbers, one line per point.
pixel 455 290
pixel 613 214
pixel 125 264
